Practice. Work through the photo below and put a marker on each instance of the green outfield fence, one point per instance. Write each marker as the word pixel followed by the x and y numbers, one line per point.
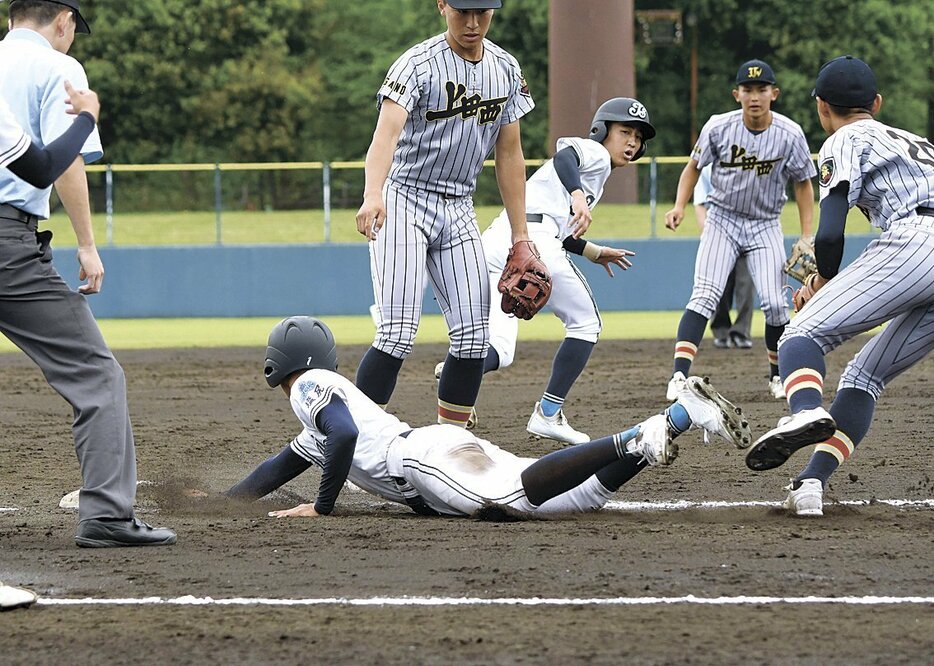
pixel 321 187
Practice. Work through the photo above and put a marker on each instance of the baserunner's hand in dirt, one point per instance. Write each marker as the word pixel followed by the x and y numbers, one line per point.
pixel 300 511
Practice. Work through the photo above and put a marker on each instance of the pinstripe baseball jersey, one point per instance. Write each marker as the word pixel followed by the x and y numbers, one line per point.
pixel 13 140
pixel 890 172
pixel 547 196
pixel 311 393
pixel 456 108
pixel 751 169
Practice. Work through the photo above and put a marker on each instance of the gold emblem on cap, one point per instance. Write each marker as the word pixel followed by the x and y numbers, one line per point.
pixel 755 72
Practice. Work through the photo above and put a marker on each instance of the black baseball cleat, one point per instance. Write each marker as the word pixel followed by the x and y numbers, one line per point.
pixel 775 447
pixel 104 533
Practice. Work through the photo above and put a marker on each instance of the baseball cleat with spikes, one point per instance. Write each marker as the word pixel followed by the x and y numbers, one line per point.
pixel 714 413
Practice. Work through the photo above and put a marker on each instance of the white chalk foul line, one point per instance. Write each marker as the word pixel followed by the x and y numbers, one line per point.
pixel 474 601
pixel 8 509
pixel 681 505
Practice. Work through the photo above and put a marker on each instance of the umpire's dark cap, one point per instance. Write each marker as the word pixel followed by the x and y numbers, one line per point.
pixel 80 24
pixel 475 4
pixel 755 71
pixel 846 81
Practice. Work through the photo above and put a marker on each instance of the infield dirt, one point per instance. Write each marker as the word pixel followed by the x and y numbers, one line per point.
pixel 204 418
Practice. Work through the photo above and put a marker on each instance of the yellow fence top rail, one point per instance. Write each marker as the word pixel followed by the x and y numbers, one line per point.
pixel 297 166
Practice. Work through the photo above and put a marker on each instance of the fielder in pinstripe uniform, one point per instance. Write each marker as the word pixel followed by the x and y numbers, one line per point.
pixel 444 105
pixel 443 469
pixel 888 174
pixel 754 152
pixel 559 198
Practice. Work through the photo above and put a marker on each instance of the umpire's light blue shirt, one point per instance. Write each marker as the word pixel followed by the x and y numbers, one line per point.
pixel 32 81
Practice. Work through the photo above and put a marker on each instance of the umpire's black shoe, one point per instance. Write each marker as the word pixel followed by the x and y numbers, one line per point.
pixel 104 533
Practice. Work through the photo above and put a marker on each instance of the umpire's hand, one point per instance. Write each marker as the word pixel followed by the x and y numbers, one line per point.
pixel 92 270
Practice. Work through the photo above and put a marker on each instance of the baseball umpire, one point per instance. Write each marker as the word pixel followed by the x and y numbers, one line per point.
pixel 446 470
pixel 39 313
pixel 40 167
pixel 889 174
pixel 443 106
pixel 755 152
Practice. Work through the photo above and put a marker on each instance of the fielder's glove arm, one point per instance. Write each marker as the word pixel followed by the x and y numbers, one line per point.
pixel 341 431
pixel 525 283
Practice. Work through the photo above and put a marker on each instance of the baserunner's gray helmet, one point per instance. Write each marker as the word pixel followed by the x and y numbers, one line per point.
pixel 626 110
pixel 298 343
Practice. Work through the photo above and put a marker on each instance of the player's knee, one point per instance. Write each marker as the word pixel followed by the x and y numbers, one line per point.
pixel 505 352
pixel 587 330
pixel 855 377
pixel 705 305
pixel 470 341
pixel 396 339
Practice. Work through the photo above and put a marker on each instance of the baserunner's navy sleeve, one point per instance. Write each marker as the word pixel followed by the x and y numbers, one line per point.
pixel 567 166
pixel 336 422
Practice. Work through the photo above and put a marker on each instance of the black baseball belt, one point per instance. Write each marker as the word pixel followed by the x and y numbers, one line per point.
pixel 533 218
pixel 926 211
pixel 9 212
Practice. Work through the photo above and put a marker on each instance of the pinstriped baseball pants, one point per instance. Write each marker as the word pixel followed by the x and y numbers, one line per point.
pixel 427 232
pixel 891 281
pixel 722 241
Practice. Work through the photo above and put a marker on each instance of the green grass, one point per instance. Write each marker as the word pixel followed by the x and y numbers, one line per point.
pixel 624 221
pixel 252 332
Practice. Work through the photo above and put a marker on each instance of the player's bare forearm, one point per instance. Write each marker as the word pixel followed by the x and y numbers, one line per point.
pixel 804 197
pixel 510 176
pixel 372 213
pixel 686 182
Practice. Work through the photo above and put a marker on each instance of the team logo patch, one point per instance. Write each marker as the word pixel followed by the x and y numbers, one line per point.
pixel 638 111
pixel 754 72
pixel 827 170
pixel 523 86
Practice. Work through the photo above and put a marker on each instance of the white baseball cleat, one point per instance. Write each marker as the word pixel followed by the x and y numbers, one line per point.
pixel 776 388
pixel 675 386
pixel 554 427
pixel 806 500
pixel 654 442
pixel 472 419
pixel 810 426
pixel 15 597
pixel 714 413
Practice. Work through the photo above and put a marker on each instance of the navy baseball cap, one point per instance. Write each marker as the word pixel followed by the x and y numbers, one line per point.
pixel 755 71
pixel 475 4
pixel 80 24
pixel 846 81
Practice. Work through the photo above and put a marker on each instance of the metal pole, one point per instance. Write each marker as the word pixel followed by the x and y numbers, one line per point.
pixel 653 194
pixel 218 204
pixel 109 195
pixel 326 191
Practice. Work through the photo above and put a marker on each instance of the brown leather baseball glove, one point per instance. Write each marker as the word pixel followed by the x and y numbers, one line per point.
pixel 525 283
pixel 810 285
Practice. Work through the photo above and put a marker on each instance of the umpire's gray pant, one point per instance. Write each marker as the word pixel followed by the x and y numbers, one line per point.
pixel 42 316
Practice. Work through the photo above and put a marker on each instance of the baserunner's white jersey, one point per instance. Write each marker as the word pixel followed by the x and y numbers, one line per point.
pixel 545 194
pixel 377 429
pixel 456 108
pixel 13 140
pixel 890 172
pixel 752 169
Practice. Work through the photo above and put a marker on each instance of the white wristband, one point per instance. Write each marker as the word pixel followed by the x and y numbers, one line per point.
pixel 592 251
